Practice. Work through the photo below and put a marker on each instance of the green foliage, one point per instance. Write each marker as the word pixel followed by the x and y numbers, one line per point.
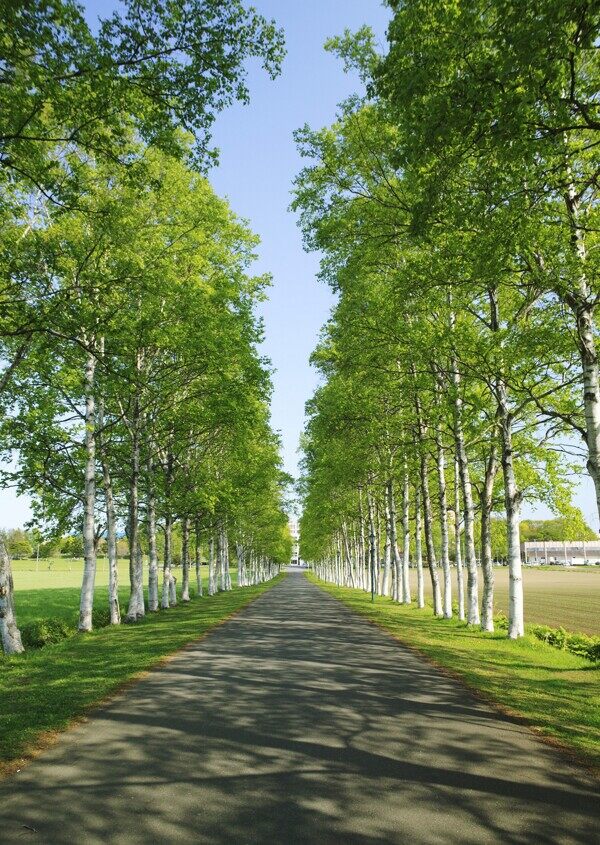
pixel 580 644
pixel 43 632
pixel 18 543
pixel 573 527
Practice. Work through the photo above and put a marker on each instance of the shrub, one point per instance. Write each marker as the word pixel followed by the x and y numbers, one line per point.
pixel 580 644
pixel 43 632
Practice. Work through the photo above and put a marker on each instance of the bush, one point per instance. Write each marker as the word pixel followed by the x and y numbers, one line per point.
pixel 43 632
pixel 580 644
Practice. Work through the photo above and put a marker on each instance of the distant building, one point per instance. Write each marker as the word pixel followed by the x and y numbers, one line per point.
pixel 565 552
pixel 295 532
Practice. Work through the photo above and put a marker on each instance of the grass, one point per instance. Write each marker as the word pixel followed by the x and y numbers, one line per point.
pixel 553 691
pixel 55 592
pixel 43 690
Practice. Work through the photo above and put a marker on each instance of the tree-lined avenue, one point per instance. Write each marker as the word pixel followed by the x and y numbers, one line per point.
pixel 298 722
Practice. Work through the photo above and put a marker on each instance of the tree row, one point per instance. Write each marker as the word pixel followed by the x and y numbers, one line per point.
pixel 132 392
pixel 456 209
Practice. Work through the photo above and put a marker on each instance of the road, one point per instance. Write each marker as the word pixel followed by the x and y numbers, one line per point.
pixel 298 722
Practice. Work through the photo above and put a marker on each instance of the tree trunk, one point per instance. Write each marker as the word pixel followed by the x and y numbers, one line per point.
pixel 512 501
pixel 111 527
pixel 372 544
pixel 89 503
pixel 136 608
pixel 581 303
pixel 212 579
pixel 111 547
pixel 152 553
pixel 487 568
pixel 427 513
pixel 362 544
pixel 419 549
pixel 185 559
pixel 198 558
pixel 457 550
pixel 11 636
pixel 173 591
pixel 391 507
pixel 405 591
pixel 441 468
pixel 167 589
pixel 468 509
pixel 387 559
pixel 428 523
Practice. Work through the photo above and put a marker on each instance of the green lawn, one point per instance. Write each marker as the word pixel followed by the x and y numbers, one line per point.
pixel 42 690
pixel 557 693
pixel 54 591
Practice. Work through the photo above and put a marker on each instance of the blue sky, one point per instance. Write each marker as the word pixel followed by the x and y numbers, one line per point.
pixel 258 161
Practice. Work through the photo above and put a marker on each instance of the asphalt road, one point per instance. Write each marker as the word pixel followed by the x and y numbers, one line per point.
pixel 298 722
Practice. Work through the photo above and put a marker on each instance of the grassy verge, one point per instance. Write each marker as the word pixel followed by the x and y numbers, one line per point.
pixel 45 689
pixel 555 692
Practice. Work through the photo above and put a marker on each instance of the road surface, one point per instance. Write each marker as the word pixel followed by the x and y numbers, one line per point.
pixel 298 722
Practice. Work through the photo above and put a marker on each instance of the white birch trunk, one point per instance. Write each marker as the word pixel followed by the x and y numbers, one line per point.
pixel 362 544
pixel 136 608
pixel 111 527
pixel 198 558
pixel 460 583
pixel 11 636
pixel 167 564
pixel 419 549
pixel 512 501
pixel 212 580
pixel 168 558
pixel 468 508
pixel 406 596
pixel 152 552
pixel 372 544
pixel 391 505
pixel 441 468
pixel 582 304
pixel 387 559
pixel 86 603
pixel 427 519
pixel 173 591
pixel 487 568
pixel 185 559
pixel 111 548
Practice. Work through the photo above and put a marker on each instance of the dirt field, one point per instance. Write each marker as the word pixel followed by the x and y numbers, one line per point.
pixel 569 598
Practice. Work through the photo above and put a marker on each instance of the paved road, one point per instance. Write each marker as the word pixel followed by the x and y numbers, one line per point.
pixel 298 722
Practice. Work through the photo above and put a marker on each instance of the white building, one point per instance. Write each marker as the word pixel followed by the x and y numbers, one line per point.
pixel 565 552
pixel 295 532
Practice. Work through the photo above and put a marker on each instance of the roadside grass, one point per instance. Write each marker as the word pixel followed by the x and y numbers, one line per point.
pixel 43 690
pixel 57 595
pixel 556 693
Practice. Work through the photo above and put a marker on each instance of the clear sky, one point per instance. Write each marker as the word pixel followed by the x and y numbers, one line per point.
pixel 258 161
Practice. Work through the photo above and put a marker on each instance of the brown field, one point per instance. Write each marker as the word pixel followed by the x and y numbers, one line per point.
pixel 569 598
